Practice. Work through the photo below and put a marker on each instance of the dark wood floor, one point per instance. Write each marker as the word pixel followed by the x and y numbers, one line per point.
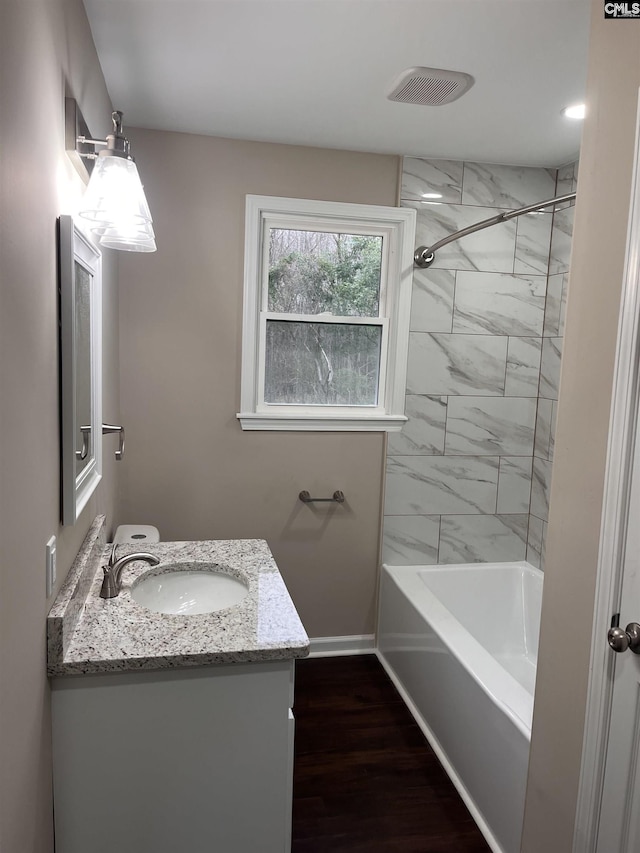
pixel 365 779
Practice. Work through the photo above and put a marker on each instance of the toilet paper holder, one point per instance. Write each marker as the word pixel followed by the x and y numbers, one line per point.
pixel 107 429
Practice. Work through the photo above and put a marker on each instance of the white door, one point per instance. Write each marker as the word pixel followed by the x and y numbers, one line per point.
pixel 612 824
pixel 619 830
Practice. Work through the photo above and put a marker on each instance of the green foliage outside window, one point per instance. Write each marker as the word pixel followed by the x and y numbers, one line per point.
pixel 311 272
pixel 316 363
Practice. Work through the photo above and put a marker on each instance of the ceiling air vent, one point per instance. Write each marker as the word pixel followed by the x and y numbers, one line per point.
pixel 430 87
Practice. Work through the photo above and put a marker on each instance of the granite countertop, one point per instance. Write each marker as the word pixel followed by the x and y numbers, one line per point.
pixel 89 634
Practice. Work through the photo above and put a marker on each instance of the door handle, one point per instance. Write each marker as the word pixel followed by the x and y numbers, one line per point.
pixel 620 640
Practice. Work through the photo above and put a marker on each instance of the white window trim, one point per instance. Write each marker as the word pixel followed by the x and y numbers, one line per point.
pixel 398 226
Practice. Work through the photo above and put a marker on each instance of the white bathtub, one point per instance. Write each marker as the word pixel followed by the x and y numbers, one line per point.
pixel 460 643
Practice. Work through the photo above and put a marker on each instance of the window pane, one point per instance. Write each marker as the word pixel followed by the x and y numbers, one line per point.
pixel 312 272
pixel 322 364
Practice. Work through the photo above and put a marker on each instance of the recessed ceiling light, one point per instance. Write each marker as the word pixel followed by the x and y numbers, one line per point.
pixel 431 195
pixel 574 111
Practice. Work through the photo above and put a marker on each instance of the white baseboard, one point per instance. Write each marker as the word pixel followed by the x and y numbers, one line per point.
pixel 355 644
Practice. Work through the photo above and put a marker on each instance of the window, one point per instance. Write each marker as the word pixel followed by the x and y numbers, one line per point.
pixel 327 296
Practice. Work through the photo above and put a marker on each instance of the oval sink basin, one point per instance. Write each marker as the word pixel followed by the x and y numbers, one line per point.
pixel 188 592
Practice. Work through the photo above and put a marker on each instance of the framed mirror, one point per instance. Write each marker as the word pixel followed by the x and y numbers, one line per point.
pixel 80 285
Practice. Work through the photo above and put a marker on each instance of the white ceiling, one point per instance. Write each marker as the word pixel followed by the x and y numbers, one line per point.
pixel 317 72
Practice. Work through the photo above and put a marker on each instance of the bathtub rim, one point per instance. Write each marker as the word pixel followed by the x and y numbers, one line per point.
pixel 504 690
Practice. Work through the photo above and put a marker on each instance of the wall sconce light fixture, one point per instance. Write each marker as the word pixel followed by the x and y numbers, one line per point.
pixel 114 203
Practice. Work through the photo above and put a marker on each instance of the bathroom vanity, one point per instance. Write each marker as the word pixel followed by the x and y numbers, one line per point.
pixel 173 732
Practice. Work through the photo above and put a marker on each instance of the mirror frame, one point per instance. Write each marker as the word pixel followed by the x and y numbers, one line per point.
pixel 75 247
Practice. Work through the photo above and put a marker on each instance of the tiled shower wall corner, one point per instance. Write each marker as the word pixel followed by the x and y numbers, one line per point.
pixel 553 334
pixel 459 475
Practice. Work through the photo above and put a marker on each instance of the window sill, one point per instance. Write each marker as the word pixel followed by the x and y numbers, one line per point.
pixel 321 423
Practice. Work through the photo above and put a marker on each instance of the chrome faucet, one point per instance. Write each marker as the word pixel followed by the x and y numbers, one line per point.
pixel 112 581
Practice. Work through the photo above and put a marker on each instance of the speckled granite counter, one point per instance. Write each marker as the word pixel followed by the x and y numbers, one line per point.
pixel 88 634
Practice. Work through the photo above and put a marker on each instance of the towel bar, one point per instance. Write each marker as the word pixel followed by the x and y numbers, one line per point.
pixel 337 497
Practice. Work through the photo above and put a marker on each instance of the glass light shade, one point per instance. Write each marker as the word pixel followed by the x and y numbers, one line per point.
pixel 116 207
pixel 136 238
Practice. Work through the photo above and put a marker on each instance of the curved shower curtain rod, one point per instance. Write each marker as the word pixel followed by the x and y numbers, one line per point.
pixel 424 256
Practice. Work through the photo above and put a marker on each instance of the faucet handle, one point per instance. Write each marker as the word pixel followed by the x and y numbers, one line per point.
pixel 109 588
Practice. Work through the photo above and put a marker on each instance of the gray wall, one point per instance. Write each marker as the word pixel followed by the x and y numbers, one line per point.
pixel 189 468
pixel 42 45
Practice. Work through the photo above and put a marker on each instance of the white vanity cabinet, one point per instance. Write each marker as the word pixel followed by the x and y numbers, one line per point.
pixel 173 733
pixel 190 760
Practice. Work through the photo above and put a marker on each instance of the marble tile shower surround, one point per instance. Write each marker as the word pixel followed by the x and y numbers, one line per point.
pixel 466 473
pixel 552 341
